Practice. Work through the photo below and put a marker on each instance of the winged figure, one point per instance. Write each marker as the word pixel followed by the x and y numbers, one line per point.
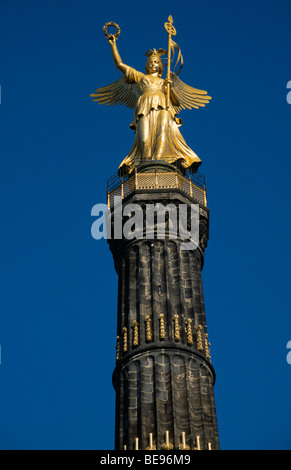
pixel 156 125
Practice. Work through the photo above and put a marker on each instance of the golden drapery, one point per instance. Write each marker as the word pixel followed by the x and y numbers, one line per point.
pixel 157 135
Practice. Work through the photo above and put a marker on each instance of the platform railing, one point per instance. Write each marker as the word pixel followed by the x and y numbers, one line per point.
pixel 194 185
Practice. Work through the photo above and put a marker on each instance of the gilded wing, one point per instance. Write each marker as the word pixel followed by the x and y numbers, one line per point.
pixel 119 92
pixel 188 96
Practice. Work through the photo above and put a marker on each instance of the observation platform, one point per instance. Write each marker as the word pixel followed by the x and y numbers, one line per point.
pixel 157 175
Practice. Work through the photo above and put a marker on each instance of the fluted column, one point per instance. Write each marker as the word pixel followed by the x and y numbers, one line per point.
pixel 163 376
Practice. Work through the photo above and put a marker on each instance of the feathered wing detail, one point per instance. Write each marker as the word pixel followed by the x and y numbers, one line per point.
pixel 188 96
pixel 119 92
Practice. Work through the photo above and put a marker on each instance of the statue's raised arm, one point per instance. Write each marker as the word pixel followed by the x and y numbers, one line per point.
pixel 125 90
pixel 115 54
pixel 156 103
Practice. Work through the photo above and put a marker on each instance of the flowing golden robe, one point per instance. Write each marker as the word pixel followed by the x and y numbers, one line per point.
pixel 157 135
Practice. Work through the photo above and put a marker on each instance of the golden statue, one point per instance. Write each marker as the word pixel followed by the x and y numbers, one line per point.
pixel 156 102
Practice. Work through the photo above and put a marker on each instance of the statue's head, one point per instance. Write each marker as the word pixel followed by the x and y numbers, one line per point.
pixel 154 62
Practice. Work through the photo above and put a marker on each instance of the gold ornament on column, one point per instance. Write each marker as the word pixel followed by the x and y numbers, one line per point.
pixel 151 445
pixel 183 445
pixel 162 327
pixel 135 333
pixel 199 337
pixel 189 332
pixel 117 348
pixel 207 344
pixel 177 335
pixel 124 339
pixel 148 328
pixel 167 445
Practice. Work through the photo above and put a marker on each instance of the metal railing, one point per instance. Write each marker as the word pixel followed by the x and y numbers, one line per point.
pixel 194 185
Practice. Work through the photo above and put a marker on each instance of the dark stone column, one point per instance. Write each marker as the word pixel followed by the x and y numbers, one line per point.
pixel 163 376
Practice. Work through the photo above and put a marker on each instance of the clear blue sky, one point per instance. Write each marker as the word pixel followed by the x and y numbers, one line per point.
pixel 58 285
